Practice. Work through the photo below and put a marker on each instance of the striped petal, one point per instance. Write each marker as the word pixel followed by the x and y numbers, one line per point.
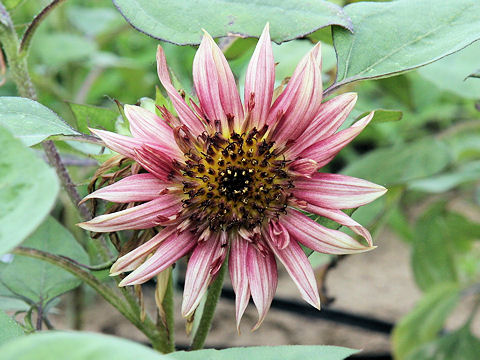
pixel 260 81
pixel 325 150
pixel 341 218
pixel 299 103
pixel 298 267
pixel 331 116
pixel 136 256
pixel 335 191
pixel 139 187
pixel 186 114
pixel 121 144
pixel 170 250
pixel 155 161
pixel 150 214
pixel 147 125
pixel 262 278
pixel 237 266
pixel 215 86
pixel 318 237
pixel 201 269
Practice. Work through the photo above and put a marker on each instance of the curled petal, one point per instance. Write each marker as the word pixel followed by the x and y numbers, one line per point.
pixel 335 191
pixel 150 214
pixel 262 278
pixel 325 150
pixel 331 116
pixel 260 81
pixel 237 266
pixel 215 85
pixel 298 267
pixel 343 219
pixel 200 272
pixel 318 237
pixel 303 167
pixel 147 125
pixel 139 187
pixel 124 145
pixel 135 257
pixel 299 103
pixel 170 250
pixel 183 110
pixel 278 235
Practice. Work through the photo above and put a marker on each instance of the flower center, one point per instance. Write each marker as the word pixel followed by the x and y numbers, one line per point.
pixel 239 181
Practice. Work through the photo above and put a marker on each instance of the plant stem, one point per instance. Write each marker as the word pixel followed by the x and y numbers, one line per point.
pixel 168 308
pixel 156 336
pixel 209 310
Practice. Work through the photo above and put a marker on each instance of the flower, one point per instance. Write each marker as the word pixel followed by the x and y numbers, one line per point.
pixel 230 179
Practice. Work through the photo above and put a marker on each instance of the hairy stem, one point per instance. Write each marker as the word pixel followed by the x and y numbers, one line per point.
pixel 209 310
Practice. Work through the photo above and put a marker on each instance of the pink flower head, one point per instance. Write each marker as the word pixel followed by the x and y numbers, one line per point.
pixel 226 179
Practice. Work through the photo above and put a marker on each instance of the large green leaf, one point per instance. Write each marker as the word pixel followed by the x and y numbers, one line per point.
pixel 38 280
pixel 423 323
pixel 402 163
pixel 460 344
pixel 391 37
pixel 30 121
pixel 181 21
pixel 287 352
pixel 53 345
pixel 28 189
pixel 9 329
pixel 454 69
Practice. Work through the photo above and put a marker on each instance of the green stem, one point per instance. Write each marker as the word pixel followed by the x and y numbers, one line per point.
pixel 132 313
pixel 168 308
pixel 209 310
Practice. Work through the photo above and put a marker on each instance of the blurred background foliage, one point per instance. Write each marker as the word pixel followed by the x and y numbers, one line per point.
pixel 85 53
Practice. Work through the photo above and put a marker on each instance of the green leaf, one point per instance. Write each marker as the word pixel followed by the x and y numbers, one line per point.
pixel 423 323
pixel 382 115
pixel 286 352
pixel 92 21
pixel 58 49
pixel 94 116
pixel 392 37
pixel 10 4
pixel 38 280
pixel 447 181
pixel 402 163
pixel 28 189
pixel 181 21
pixel 54 345
pixel 453 70
pixel 433 249
pixel 30 121
pixel 460 344
pixel 9 329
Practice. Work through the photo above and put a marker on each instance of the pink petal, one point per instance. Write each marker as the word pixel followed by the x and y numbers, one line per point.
pixel 260 81
pixel 186 114
pixel 299 103
pixel 298 267
pixel 237 266
pixel 121 144
pixel 278 235
pixel 139 187
pixel 341 218
pixel 331 116
pixel 147 125
pixel 155 161
pixel 262 278
pixel 150 214
pixel 135 257
pixel 215 86
pixel 318 237
pixel 200 272
pixel 335 191
pixel 170 250
pixel 326 149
